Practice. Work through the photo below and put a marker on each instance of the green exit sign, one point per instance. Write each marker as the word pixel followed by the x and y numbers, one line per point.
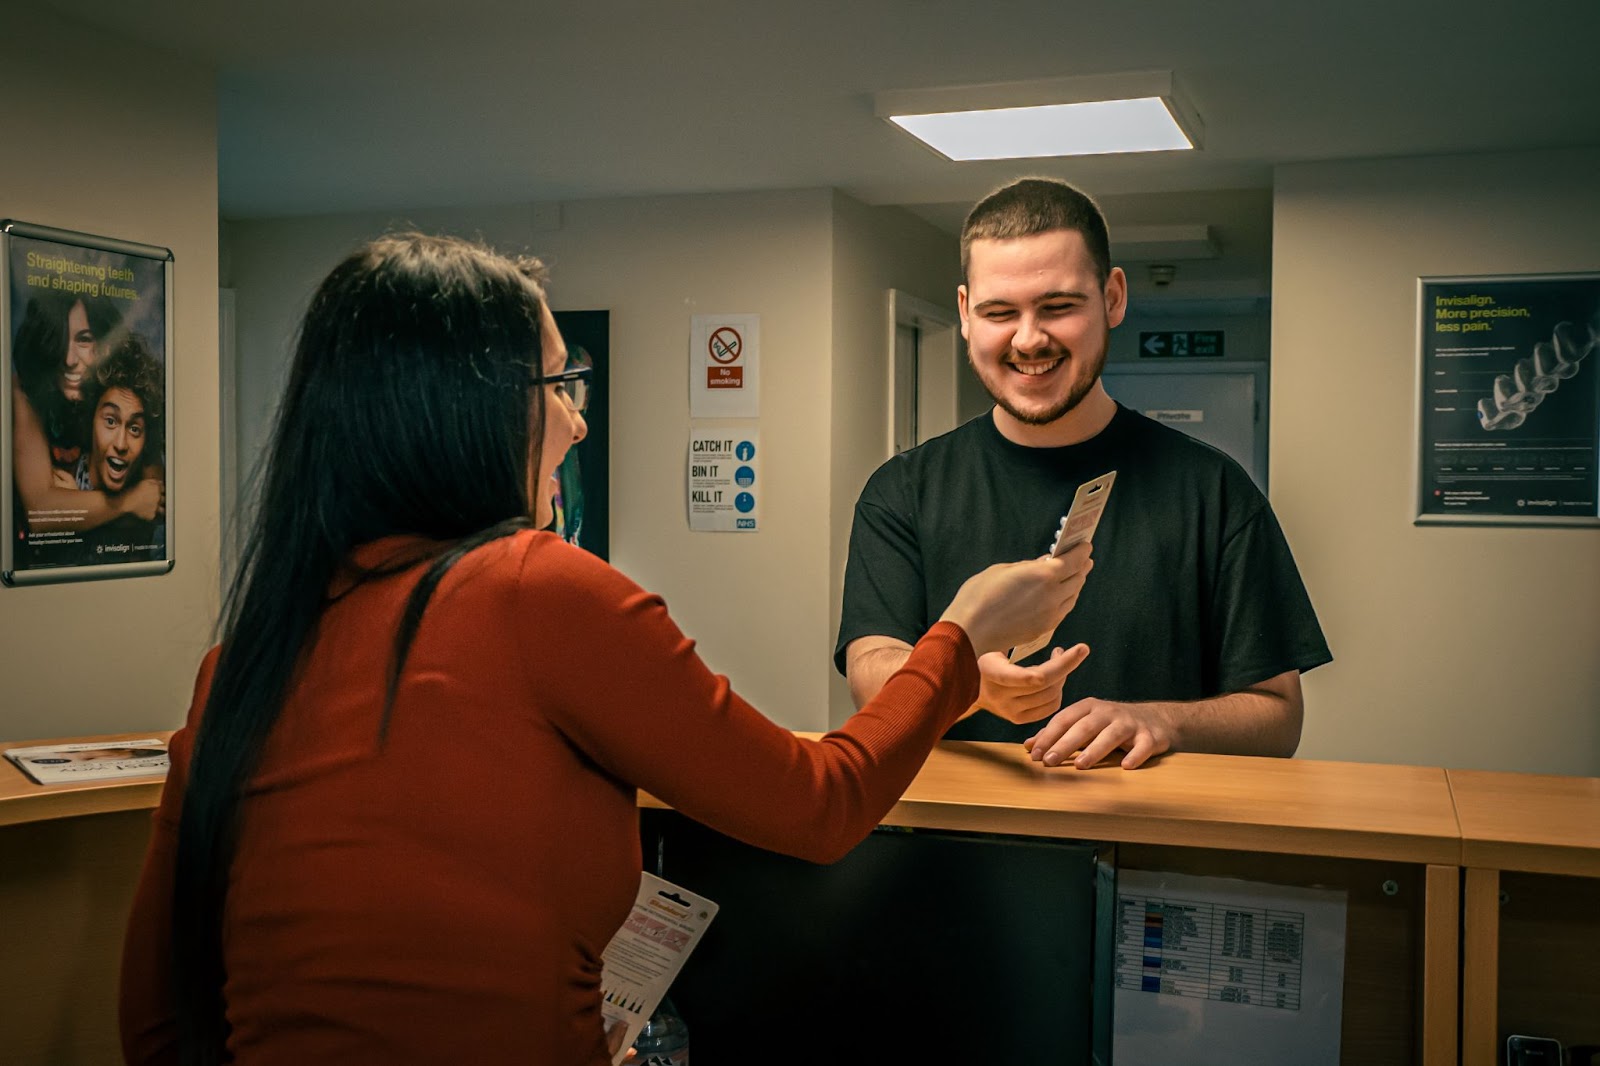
pixel 1181 343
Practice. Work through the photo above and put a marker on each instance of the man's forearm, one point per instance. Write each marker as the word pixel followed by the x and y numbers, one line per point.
pixel 870 671
pixel 1263 719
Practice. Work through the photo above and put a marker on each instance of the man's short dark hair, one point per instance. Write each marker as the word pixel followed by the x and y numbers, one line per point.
pixel 1030 206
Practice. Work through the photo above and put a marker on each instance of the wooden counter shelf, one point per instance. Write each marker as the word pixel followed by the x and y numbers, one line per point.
pixel 1282 806
pixel 69 858
pixel 1286 806
pixel 1366 828
pixel 71 853
pixel 1530 844
pixel 21 800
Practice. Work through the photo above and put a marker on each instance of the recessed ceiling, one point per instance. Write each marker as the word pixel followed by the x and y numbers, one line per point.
pixel 382 104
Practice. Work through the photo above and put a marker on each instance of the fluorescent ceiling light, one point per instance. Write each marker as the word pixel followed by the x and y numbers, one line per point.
pixel 1092 115
pixel 1053 129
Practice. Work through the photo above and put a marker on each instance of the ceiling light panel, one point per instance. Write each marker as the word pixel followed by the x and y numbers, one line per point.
pixel 1086 115
pixel 1054 129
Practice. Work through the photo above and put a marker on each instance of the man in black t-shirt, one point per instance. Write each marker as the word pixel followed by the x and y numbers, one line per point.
pixel 1193 628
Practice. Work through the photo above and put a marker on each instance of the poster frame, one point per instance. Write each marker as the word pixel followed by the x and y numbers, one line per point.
pixel 11 574
pixel 589 461
pixel 1425 289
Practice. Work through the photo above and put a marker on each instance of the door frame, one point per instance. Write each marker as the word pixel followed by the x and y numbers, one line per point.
pixel 1260 369
pixel 933 377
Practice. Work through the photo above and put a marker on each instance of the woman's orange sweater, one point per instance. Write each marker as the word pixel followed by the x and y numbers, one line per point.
pixel 444 896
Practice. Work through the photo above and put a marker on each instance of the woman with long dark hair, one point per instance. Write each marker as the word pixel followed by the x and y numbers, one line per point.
pixel 59 342
pixel 401 823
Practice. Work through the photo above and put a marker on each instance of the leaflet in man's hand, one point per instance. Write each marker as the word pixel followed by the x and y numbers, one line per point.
pixel 646 954
pixel 1077 526
pixel 94 760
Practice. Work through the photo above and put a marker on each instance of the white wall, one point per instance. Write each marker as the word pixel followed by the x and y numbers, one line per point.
pixel 757 603
pixel 118 139
pixel 875 249
pixel 1462 646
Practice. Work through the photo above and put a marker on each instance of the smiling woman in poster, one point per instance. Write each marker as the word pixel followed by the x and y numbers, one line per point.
pixel 59 342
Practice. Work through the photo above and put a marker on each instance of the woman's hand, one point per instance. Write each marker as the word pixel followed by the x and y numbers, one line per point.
pixel 1010 603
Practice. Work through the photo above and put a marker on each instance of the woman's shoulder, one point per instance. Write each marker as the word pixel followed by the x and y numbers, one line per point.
pixel 202 686
pixel 541 559
pixel 547 577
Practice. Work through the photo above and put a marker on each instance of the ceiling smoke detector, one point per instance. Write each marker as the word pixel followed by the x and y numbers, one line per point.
pixel 1161 274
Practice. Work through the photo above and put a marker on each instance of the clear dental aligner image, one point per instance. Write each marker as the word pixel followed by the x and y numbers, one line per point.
pixel 1534 377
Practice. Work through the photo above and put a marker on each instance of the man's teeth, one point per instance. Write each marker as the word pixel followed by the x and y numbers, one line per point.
pixel 1035 369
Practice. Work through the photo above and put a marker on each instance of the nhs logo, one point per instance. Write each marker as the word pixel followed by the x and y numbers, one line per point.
pixel 745 523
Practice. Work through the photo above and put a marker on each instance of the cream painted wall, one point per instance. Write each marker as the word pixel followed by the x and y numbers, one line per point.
pixel 1456 646
pixel 875 249
pixel 757 604
pixel 122 143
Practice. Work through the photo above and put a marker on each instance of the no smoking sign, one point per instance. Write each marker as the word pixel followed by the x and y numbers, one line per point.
pixel 725 344
pixel 725 366
pixel 724 347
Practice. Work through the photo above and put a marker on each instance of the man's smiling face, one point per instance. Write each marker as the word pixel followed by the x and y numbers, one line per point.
pixel 1038 321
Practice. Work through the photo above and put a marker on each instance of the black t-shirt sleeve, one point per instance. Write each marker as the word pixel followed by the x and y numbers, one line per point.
pixel 1262 621
pixel 884 592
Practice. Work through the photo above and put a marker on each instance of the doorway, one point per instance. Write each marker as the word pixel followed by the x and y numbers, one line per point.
pixel 924 371
pixel 1219 403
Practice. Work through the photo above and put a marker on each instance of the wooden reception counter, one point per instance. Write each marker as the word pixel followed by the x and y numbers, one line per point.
pixel 1393 837
pixel 1530 846
pixel 1387 835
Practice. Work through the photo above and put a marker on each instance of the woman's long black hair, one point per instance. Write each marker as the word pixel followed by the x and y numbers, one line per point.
pixel 407 411
pixel 40 350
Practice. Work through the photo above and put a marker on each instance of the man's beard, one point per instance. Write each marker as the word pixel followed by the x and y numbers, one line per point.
pixel 1074 397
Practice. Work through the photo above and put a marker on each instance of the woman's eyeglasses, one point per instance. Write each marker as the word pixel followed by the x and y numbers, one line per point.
pixel 572 385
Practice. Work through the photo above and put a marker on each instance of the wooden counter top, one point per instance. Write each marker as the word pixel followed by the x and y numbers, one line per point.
pixel 21 800
pixel 1539 823
pixel 1420 814
pixel 1286 806
pixel 1292 806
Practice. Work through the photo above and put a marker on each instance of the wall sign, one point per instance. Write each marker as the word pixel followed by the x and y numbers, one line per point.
pixel 724 482
pixel 1183 343
pixel 724 366
pixel 1509 397
pixel 86 335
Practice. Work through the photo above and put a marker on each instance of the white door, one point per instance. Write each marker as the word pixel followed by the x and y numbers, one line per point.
pixel 925 364
pixel 1220 407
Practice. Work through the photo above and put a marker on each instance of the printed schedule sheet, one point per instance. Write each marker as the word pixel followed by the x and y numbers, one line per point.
pixel 1214 970
pixel 1215 951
